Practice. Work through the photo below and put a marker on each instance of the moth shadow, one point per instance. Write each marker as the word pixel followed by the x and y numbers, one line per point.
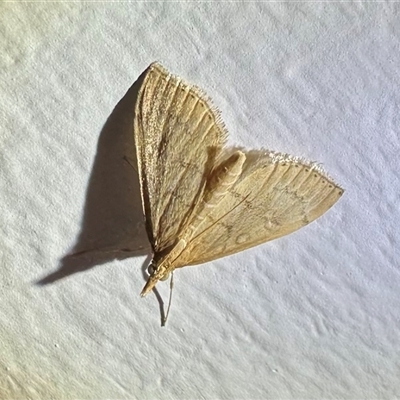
pixel 113 225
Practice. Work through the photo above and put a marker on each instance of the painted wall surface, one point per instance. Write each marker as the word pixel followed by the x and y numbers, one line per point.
pixel 312 315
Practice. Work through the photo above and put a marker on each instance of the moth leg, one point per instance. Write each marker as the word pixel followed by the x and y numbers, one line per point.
pixel 171 286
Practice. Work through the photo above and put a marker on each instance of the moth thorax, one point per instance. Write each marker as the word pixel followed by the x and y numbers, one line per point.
pixel 224 176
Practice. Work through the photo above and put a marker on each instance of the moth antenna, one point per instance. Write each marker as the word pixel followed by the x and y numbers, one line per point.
pixel 171 286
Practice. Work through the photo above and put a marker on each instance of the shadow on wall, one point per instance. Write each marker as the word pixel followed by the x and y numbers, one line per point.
pixel 113 224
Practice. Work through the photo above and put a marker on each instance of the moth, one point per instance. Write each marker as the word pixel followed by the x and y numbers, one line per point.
pixel 201 200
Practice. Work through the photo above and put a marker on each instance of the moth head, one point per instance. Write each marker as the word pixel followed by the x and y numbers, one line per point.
pixel 156 273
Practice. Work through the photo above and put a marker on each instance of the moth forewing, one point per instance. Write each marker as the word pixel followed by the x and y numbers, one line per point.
pixel 221 179
pixel 178 137
pixel 260 208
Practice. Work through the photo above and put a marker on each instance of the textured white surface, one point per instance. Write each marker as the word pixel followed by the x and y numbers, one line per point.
pixel 313 315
